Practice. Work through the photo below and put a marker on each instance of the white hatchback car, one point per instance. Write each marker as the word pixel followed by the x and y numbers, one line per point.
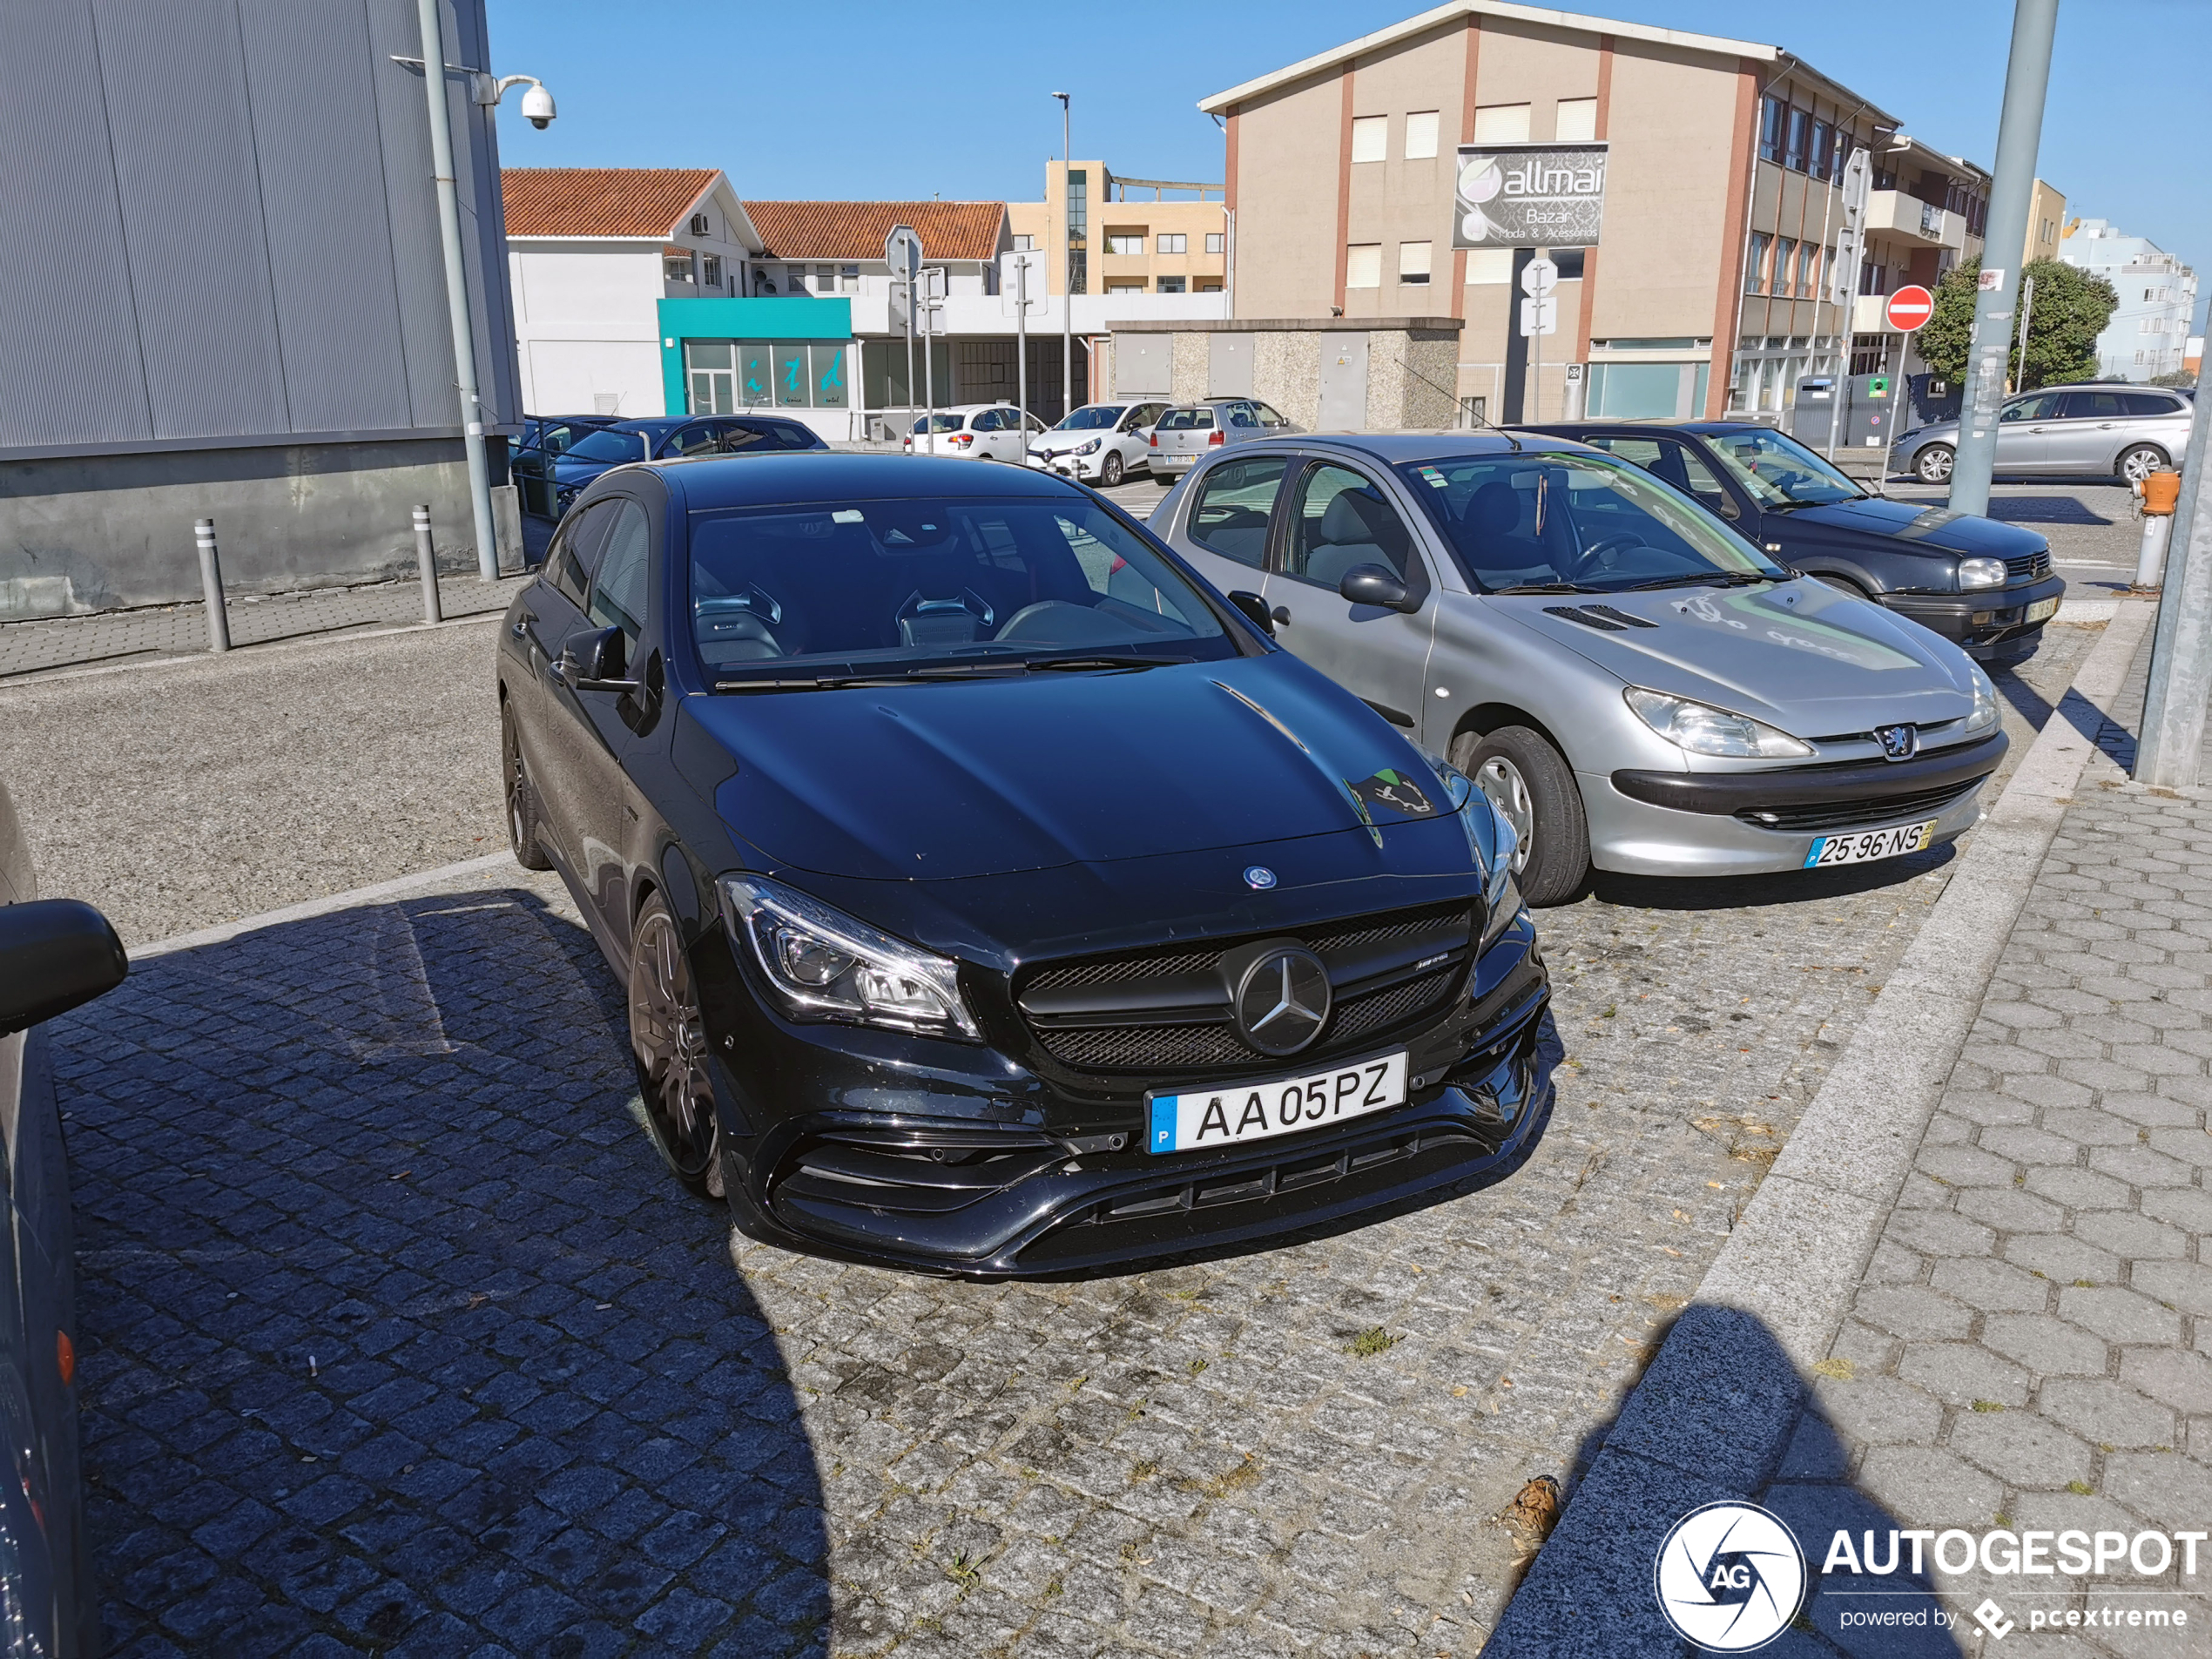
pixel 980 431
pixel 1099 442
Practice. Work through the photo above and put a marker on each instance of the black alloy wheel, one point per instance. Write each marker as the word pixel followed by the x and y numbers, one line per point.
pixel 522 818
pixel 1531 784
pixel 1111 473
pixel 668 1042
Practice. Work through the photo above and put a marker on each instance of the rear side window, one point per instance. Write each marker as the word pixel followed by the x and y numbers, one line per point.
pixel 1230 516
pixel 576 550
pixel 1187 420
pixel 694 440
pixel 2142 403
pixel 795 437
pixel 618 591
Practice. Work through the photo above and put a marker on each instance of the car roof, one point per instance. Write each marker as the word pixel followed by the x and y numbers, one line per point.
pixel 812 478
pixel 1454 443
pixel 654 423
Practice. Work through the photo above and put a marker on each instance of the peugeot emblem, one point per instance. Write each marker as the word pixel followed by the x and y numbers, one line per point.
pixel 1899 742
pixel 1259 877
pixel 1283 1000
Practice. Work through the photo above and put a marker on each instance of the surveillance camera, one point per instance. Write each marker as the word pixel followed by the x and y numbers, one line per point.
pixel 537 108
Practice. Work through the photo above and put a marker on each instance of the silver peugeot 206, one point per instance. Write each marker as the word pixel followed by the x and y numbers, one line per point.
pixel 1635 685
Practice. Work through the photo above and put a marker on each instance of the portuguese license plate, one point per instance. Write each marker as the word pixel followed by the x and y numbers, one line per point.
pixel 1864 846
pixel 2043 610
pixel 1199 1120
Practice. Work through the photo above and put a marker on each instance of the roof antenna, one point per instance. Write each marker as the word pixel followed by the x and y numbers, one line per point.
pixel 1499 430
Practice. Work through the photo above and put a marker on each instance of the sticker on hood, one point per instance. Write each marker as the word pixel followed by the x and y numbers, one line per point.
pixel 1395 791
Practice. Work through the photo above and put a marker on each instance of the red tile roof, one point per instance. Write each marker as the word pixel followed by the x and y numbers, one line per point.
pixel 600 201
pixel 856 230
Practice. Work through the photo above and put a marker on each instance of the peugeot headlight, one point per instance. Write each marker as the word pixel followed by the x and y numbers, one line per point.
pixel 1091 449
pixel 1981 573
pixel 1985 714
pixel 821 964
pixel 1704 730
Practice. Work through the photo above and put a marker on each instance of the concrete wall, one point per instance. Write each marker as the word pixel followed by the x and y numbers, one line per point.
pixel 1409 373
pixel 91 532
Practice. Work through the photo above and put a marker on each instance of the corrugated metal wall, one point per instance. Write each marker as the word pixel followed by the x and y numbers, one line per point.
pixel 216 223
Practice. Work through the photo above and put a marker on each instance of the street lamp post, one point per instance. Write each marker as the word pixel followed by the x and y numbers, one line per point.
pixel 537 108
pixel 1067 266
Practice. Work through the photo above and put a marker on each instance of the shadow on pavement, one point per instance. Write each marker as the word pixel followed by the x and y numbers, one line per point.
pixel 2117 743
pixel 1721 1417
pixel 397 1334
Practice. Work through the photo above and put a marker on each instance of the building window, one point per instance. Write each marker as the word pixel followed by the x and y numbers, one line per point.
pixel 1178 242
pixel 1413 264
pixel 1824 148
pixel 1078 230
pixel 1570 263
pixel 711 271
pixel 1474 411
pixel 1025 244
pixel 1370 137
pixel 1210 284
pixel 1363 265
pixel 1170 285
pixel 1501 123
pixel 848 279
pixel 1577 120
pixel 1808 271
pixel 1797 140
pixel 760 373
pixel 1754 262
pixel 1489 264
pixel 1421 135
pixel 1217 241
pixel 1078 270
pixel 1124 287
pixel 676 267
pixel 1785 260
pixel 1771 120
pixel 1121 242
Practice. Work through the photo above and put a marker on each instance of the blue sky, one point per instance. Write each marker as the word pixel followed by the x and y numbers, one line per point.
pixel 857 98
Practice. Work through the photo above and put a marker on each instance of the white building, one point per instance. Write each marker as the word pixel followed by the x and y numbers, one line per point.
pixel 2148 334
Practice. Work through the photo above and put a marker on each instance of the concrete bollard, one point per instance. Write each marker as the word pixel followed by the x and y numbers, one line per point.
pixel 2160 492
pixel 211 585
pixel 426 561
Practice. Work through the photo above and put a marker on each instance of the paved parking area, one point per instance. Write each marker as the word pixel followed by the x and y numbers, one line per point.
pixel 397 1336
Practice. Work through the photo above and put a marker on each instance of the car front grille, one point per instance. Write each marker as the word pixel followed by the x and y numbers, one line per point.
pixel 1839 814
pixel 1169 1010
pixel 2034 568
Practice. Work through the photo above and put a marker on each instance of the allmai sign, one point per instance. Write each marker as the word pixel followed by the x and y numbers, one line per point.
pixel 1529 195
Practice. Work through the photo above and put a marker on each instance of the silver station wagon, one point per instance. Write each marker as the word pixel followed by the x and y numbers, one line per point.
pixel 1634 685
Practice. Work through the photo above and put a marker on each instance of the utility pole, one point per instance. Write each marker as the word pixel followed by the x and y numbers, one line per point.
pixel 2181 651
pixel 2019 130
pixel 1066 265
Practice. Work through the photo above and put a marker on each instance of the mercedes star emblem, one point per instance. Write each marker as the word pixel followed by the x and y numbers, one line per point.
pixel 1259 877
pixel 1283 1001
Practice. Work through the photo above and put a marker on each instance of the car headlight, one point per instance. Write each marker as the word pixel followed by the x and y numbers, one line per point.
pixel 1704 730
pixel 821 964
pixel 1091 449
pixel 1981 573
pixel 1985 711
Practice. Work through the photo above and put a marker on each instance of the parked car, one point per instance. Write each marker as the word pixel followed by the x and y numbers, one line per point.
pixel 992 897
pixel 2105 429
pixel 1983 584
pixel 975 432
pixel 544 438
pixel 673 437
pixel 1102 442
pixel 55 955
pixel 1186 432
pixel 1635 685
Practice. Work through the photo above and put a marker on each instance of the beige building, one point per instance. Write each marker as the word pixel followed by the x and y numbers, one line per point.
pixel 1927 213
pixel 2045 223
pixel 1714 286
pixel 1123 235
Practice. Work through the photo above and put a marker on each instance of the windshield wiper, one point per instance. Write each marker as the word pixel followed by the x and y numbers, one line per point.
pixel 1550 587
pixel 969 668
pixel 1082 665
pixel 1707 579
pixel 810 682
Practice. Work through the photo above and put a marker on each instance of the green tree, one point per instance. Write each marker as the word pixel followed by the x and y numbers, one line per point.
pixel 2071 309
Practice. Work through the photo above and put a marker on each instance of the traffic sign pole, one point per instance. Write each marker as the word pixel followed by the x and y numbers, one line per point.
pixel 1538 277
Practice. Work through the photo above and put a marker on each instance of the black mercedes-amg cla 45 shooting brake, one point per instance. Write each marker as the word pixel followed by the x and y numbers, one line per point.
pixel 993 897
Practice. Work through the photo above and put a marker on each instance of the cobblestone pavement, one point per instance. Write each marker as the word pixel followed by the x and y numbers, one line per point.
pixel 2025 1352
pixel 149 635
pixel 397 1337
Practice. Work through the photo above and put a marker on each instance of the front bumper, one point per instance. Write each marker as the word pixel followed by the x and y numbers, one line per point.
pixel 1991 623
pixel 1074 466
pixel 1749 823
pixel 1033 1185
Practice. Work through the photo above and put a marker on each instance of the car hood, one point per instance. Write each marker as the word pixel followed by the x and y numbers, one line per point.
pixel 1054 443
pixel 1798 655
pixel 1968 534
pixel 975 777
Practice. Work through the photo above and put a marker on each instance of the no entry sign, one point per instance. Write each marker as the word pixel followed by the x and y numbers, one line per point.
pixel 1909 307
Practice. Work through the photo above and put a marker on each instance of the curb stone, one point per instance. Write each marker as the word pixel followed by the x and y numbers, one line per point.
pixel 1711 1417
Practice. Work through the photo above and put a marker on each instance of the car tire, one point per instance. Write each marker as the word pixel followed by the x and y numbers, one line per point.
pixel 1932 465
pixel 668 1046
pixel 1531 783
pixel 1110 473
pixel 524 820
pixel 2138 461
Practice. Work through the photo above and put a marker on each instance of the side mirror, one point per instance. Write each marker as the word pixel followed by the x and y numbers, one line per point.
pixel 594 661
pixel 1725 506
pixel 55 955
pixel 1255 609
pixel 1376 585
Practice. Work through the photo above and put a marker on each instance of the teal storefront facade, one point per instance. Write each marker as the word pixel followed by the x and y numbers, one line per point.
pixel 796 355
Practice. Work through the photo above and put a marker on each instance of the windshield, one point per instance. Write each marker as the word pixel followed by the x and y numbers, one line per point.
pixel 1573 521
pixel 609 445
pixel 1091 418
pixel 1187 420
pixel 1779 471
pixel 940 422
pixel 892 587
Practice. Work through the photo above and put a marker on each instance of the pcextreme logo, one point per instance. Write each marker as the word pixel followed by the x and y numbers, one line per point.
pixel 1729 1577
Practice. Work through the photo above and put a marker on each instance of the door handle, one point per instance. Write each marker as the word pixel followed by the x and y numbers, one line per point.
pixel 520 630
pixel 2104 426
